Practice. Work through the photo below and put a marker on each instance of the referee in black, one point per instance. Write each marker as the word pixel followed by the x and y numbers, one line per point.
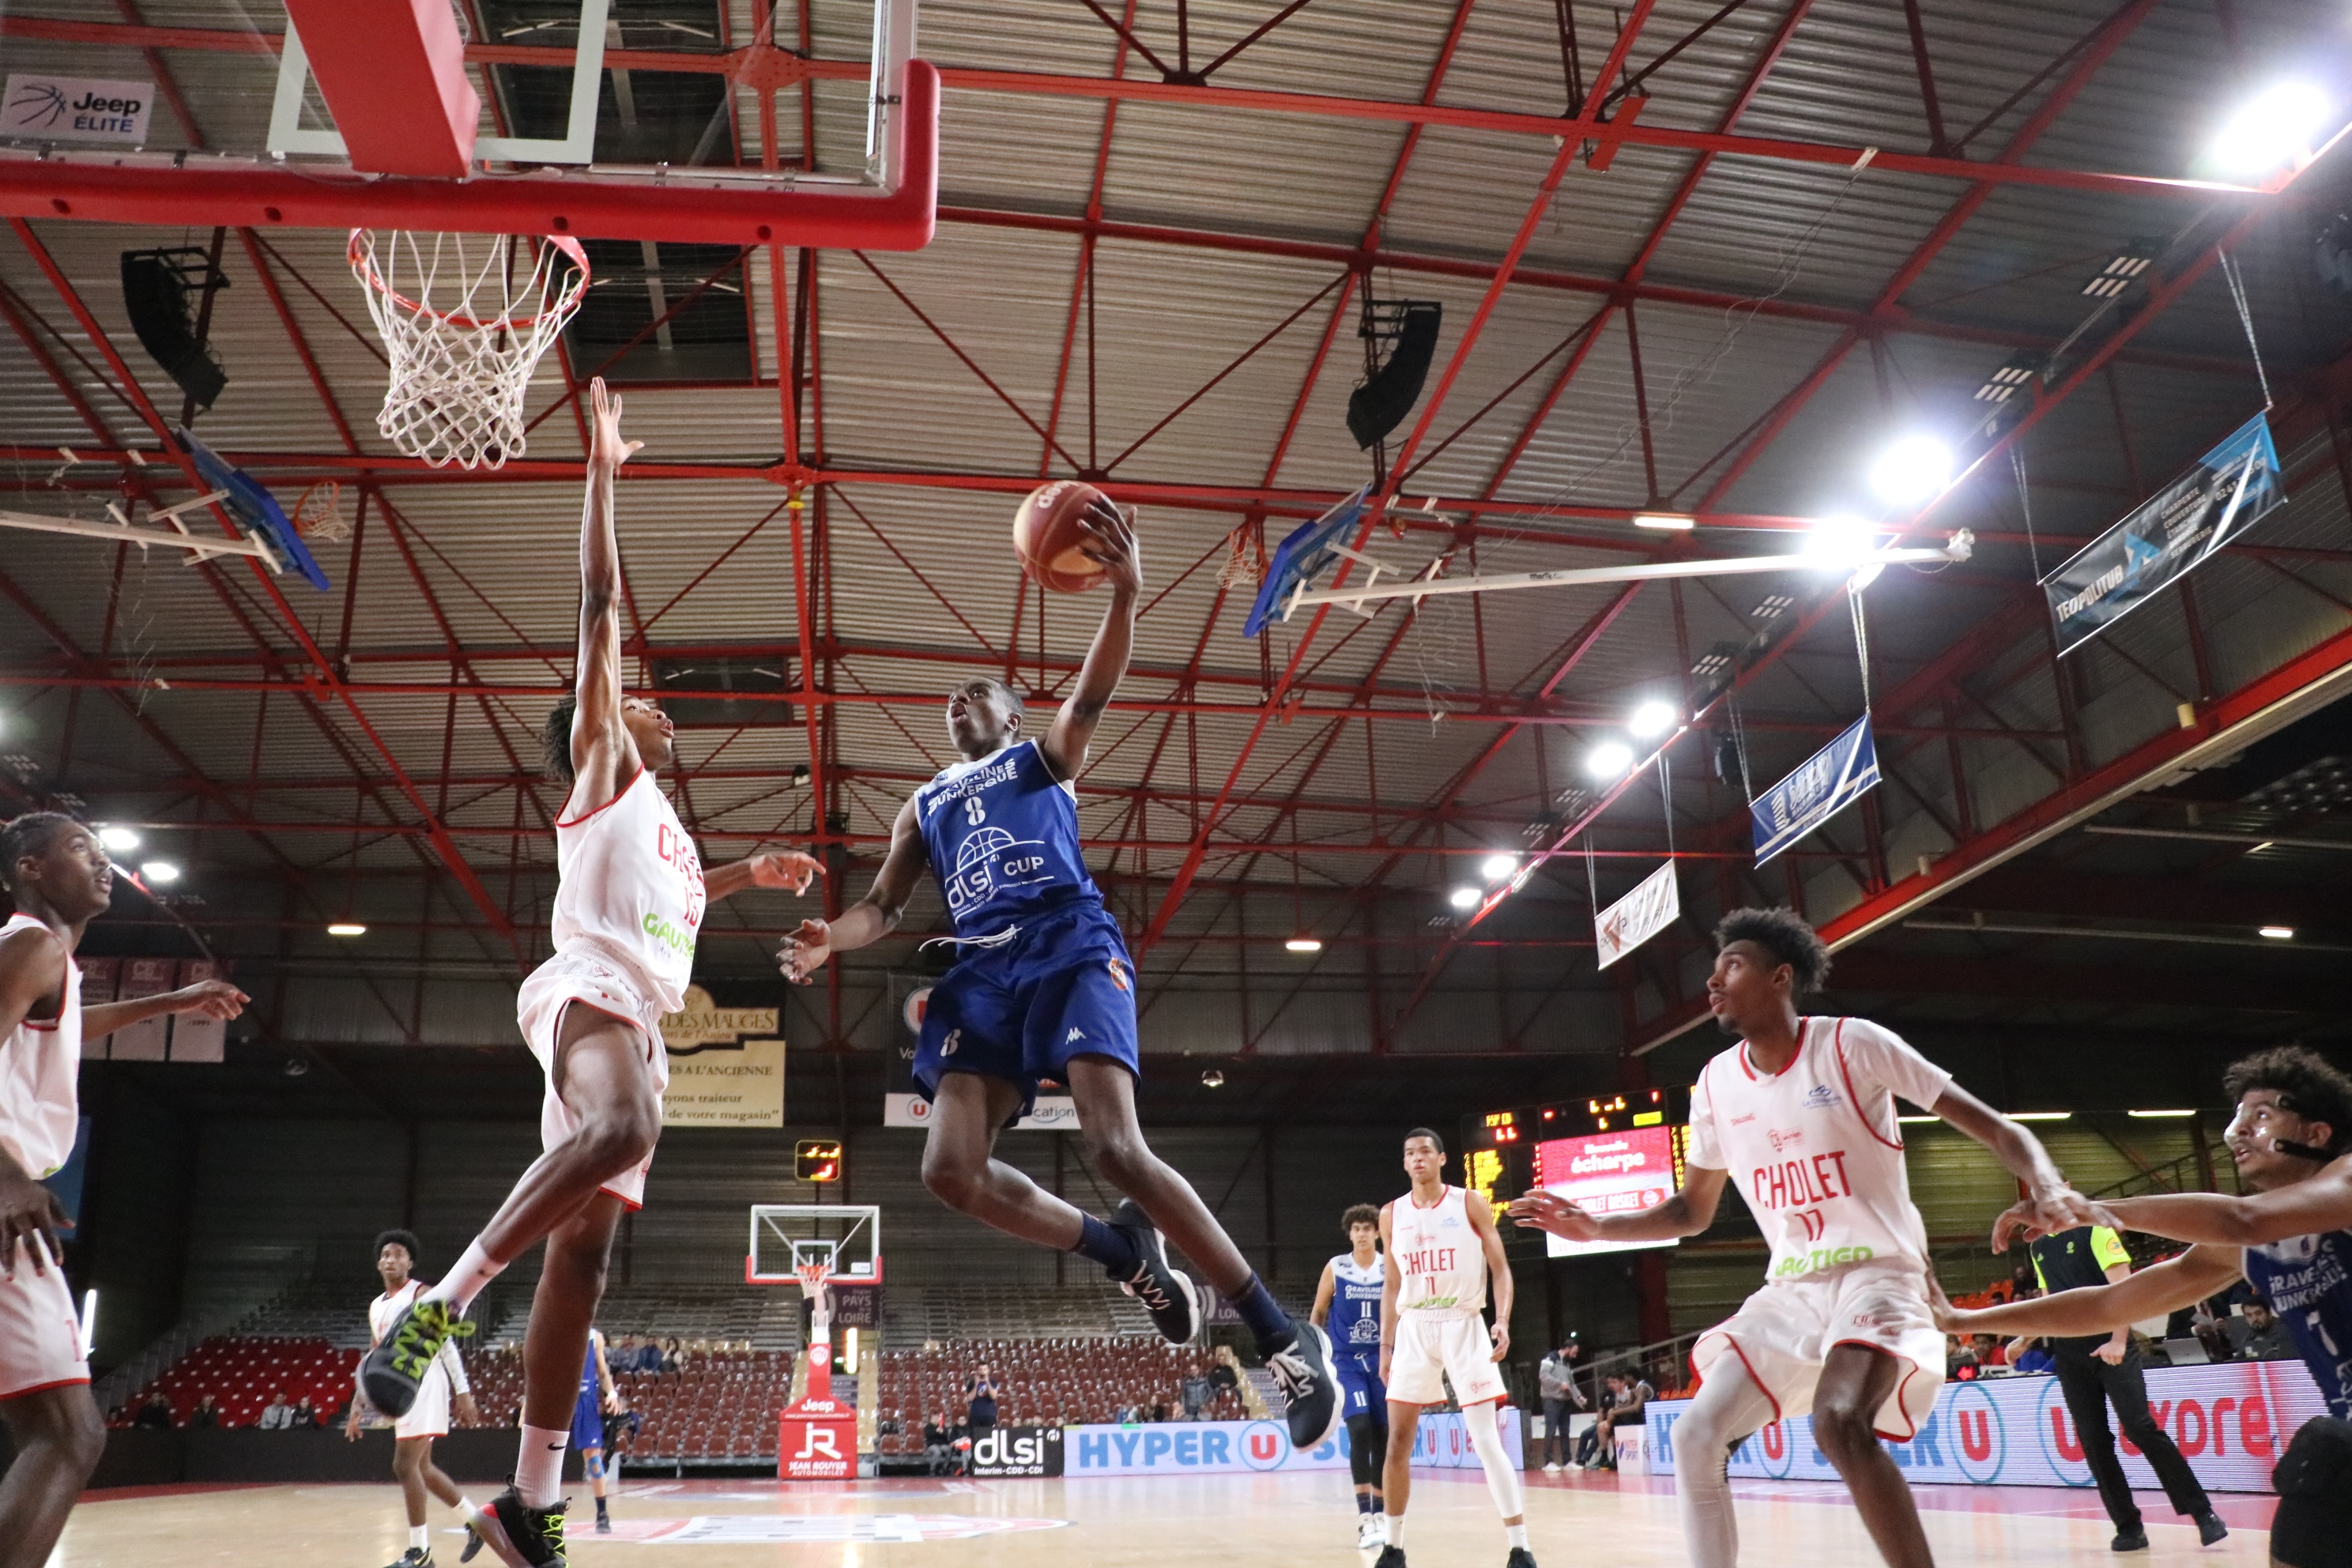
pixel 2104 1368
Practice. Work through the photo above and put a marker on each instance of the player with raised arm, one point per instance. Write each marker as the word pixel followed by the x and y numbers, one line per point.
pixel 1443 1249
pixel 1348 1309
pixel 59 878
pixel 629 902
pixel 1801 1117
pixel 443 1390
pixel 2291 1238
pixel 1046 990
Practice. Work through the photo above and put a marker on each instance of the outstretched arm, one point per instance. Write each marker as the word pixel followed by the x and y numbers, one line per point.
pixel 1689 1212
pixel 869 919
pixel 2322 1202
pixel 1498 1268
pixel 2164 1288
pixel 2054 1205
pixel 1111 540
pixel 207 998
pixel 787 868
pixel 603 758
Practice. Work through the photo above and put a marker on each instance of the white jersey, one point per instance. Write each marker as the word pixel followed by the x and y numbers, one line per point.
pixel 385 1310
pixel 39 1108
pixel 629 890
pixel 1814 1148
pixel 1440 1262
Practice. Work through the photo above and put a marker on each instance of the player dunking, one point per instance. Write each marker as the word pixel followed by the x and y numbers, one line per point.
pixel 1046 990
pixel 628 904
pixel 445 1389
pixel 1801 1117
pixel 1441 1249
pixel 61 880
pixel 1348 1308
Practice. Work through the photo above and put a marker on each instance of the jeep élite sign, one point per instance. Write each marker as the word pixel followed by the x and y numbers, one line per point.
pixel 1018 1451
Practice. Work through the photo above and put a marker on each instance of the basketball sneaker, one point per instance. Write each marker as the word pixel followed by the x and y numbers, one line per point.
pixel 1390 1557
pixel 523 1536
pixel 473 1540
pixel 1303 1372
pixel 1167 1293
pixel 391 1373
pixel 1369 1532
pixel 1520 1557
pixel 415 1557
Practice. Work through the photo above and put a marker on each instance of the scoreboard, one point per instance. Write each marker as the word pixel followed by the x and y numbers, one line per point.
pixel 1614 1155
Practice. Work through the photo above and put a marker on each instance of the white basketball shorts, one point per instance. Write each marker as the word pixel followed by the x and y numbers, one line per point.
pixel 429 1416
pixel 1783 1333
pixel 588 980
pixel 40 1334
pixel 1456 1345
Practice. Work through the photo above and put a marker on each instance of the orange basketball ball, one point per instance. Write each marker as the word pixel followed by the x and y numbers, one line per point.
pixel 1048 539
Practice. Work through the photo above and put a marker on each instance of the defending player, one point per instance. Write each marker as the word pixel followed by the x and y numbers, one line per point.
pixel 1046 990
pixel 599 1397
pixel 61 880
pixel 1800 1116
pixel 443 1389
pixel 1348 1309
pixel 2291 1238
pixel 1443 1247
pixel 628 905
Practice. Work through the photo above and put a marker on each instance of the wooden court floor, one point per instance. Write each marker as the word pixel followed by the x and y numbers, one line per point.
pixel 1232 1522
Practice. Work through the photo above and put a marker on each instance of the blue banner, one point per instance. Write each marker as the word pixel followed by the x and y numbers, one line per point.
pixel 2166 536
pixel 1823 785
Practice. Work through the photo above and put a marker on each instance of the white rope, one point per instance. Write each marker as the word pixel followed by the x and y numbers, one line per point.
pixel 1861 643
pixel 2237 283
pixel 2025 506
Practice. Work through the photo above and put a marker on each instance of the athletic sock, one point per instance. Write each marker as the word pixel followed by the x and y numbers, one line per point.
pixel 1518 1535
pixel 1363 1502
pixel 467 1509
pixel 420 1538
pixel 1395 1522
pixel 1113 1250
pixel 475 1269
pixel 539 1469
pixel 600 1514
pixel 1266 1321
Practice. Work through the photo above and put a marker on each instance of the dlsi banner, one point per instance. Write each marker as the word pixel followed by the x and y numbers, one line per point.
pixel 1822 785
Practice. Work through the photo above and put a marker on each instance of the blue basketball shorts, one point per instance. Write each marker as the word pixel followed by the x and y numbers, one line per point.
pixel 1361 1393
pixel 1063 987
pixel 587 1423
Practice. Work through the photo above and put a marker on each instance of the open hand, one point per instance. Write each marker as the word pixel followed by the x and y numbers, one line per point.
pixel 1110 543
pixel 1541 1210
pixel 210 999
pixel 606 450
pixel 804 950
pixel 787 868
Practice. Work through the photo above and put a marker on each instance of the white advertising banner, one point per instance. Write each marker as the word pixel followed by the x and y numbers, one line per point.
pixel 1218 1447
pixel 1051 1113
pixel 1649 909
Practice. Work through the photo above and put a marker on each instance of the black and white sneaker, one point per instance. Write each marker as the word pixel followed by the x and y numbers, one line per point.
pixel 415 1557
pixel 1521 1557
pixel 1167 1294
pixel 523 1536
pixel 392 1373
pixel 1304 1374
pixel 1390 1557
pixel 473 1538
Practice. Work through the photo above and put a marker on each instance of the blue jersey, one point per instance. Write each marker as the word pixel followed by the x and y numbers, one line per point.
pixel 2307 1280
pixel 1003 834
pixel 1355 1324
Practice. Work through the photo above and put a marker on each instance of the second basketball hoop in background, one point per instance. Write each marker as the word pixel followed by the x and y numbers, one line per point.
pixel 1047 538
pixel 465 322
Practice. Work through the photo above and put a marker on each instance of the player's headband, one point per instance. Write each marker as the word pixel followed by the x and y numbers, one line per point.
pixel 2294 1150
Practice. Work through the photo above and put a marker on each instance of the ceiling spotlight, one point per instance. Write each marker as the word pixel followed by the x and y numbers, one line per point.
pixel 160 871
pixel 1213 1078
pixel 1495 868
pixel 347 928
pixel 2160 1115
pixel 1653 719
pixel 118 839
pixel 2012 373
pixel 1464 898
pixel 2279 933
pixel 2119 275
pixel 2276 127
pixel 1665 521
pixel 1911 470
pixel 1304 944
pixel 1609 760
pixel 2040 1115
pixel 1841 542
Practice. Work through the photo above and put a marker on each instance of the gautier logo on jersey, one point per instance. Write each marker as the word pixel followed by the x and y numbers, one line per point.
pixel 717 1079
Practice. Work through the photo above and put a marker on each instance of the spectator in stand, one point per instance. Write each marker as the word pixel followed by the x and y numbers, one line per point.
pixel 156 1414
pixel 1628 1406
pixel 305 1413
pixel 980 1418
pixel 206 1413
pixel 673 1359
pixel 1989 1353
pixel 2266 1337
pixel 1195 1393
pixel 1556 1382
pixel 938 1444
pixel 2031 1358
pixel 277 1416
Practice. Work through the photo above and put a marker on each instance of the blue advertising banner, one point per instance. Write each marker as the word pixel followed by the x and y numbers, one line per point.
pixel 2232 1422
pixel 1218 1447
pixel 2166 536
pixel 1823 785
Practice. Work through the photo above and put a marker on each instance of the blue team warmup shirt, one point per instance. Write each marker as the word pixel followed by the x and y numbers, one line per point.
pixel 2307 1280
pixel 1355 1330
pixel 1045 974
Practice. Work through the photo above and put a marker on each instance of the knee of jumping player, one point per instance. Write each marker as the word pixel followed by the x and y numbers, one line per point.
pixel 952 1178
pixel 617 1137
pixel 1121 1155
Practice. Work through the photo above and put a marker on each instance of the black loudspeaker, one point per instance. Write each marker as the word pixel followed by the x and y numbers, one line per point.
pixel 155 293
pixel 1381 404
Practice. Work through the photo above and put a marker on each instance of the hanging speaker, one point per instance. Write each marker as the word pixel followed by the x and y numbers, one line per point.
pixel 155 294
pixel 1381 404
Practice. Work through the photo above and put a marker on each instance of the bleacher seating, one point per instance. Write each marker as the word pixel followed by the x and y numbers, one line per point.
pixel 723 1406
pixel 242 1374
pixel 982 1310
pixel 1048 1382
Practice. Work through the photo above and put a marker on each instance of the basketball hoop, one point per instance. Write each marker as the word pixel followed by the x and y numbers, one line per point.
pixel 811 1276
pixel 319 513
pixel 461 363
pixel 1244 565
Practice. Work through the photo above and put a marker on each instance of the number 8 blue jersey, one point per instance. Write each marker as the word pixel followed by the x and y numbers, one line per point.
pixel 1003 834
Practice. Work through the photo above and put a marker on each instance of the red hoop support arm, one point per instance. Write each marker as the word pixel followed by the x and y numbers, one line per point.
pixel 137 189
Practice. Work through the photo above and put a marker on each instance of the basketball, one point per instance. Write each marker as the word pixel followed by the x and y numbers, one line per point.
pixel 1047 536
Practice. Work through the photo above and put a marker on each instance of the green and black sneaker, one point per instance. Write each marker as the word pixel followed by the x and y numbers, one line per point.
pixel 391 1373
pixel 523 1536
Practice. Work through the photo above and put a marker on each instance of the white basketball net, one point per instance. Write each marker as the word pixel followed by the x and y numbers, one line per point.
pixel 464 333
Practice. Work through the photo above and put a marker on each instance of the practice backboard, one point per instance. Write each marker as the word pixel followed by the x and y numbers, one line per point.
pixel 1303 552
pixel 847 1237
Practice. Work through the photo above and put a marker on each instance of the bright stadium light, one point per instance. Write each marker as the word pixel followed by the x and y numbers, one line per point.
pixel 2160 1115
pixel 1609 760
pixel 2277 126
pixel 1841 542
pixel 1653 719
pixel 1665 521
pixel 347 928
pixel 1495 868
pixel 1464 898
pixel 160 871
pixel 118 840
pixel 2040 1116
pixel 1911 470
pixel 1304 944
pixel 2279 933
